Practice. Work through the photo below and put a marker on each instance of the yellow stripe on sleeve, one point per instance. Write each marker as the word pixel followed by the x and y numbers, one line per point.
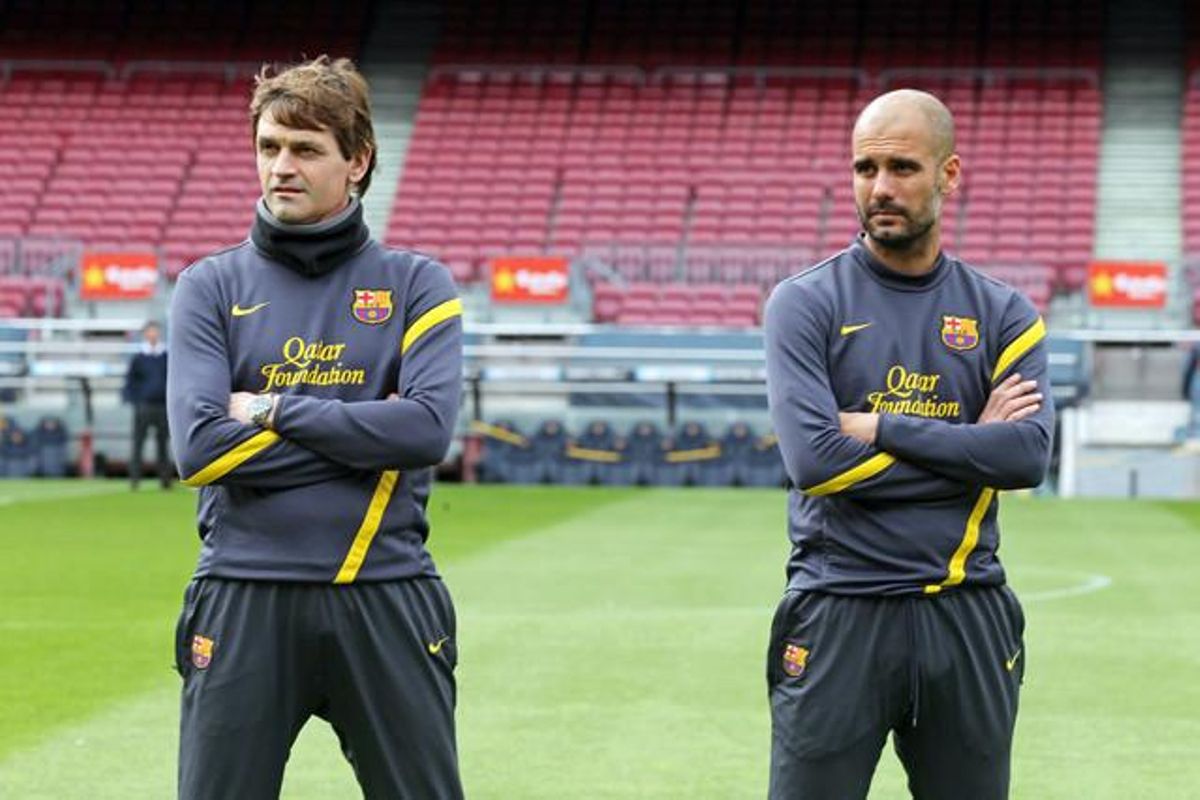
pixel 369 527
pixel 872 466
pixel 434 316
pixel 1019 347
pixel 957 571
pixel 233 459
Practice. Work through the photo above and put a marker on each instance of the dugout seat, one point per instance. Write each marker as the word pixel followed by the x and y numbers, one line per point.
pixel 691 458
pixel 51 437
pixel 503 453
pixel 547 447
pixel 18 453
pixel 592 458
pixel 642 455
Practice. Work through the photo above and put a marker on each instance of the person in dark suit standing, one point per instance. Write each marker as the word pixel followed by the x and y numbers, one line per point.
pixel 146 390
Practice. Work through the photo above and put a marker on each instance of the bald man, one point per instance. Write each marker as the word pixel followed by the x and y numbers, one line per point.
pixel 907 389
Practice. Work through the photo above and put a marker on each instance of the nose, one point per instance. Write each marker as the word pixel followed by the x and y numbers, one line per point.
pixel 882 187
pixel 284 164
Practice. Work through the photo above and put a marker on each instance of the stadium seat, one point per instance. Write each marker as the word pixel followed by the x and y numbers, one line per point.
pixel 642 455
pixel 18 453
pixel 593 457
pixel 546 461
pixel 504 454
pixel 691 458
pixel 51 438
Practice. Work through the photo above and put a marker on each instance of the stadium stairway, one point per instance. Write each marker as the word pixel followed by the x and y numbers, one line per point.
pixel 395 58
pixel 1138 211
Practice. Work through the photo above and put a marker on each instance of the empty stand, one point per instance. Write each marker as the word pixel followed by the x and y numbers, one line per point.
pixel 685 141
pixel 152 160
pixel 694 304
pixel 727 128
pixel 31 296
pixel 1190 156
pixel 119 31
pixel 718 176
pixel 874 34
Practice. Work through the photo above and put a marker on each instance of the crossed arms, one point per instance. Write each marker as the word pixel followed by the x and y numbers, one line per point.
pixel 311 439
pixel 892 457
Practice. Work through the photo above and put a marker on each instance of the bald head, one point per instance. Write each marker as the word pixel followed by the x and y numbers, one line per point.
pixel 909 109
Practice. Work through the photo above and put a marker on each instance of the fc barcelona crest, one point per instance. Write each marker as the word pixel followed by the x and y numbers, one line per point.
pixel 202 651
pixel 960 333
pixel 372 306
pixel 795 659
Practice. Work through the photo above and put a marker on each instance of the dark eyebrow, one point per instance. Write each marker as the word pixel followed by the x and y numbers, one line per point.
pixel 859 163
pixel 271 141
pixel 904 162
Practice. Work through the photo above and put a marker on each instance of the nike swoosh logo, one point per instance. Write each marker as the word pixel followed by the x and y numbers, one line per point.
pixel 436 647
pixel 238 311
pixel 849 329
pixel 1009 663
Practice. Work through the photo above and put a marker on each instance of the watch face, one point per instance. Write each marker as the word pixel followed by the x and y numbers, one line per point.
pixel 259 408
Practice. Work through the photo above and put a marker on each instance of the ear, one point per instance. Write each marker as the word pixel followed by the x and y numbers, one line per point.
pixel 359 163
pixel 950 174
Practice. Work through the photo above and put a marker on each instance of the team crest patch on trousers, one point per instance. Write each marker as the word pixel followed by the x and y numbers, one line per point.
pixel 795 659
pixel 202 651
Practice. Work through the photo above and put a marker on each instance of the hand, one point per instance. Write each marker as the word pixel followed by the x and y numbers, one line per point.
pixel 237 406
pixel 859 425
pixel 1013 399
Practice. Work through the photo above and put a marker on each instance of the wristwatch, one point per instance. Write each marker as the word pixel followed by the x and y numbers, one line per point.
pixel 259 409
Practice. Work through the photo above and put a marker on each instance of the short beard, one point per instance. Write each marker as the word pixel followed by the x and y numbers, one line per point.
pixel 900 242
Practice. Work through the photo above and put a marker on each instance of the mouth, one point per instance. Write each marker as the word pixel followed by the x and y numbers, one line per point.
pixel 286 191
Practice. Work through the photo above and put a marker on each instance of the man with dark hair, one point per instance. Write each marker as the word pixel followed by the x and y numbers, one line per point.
pixel 315 380
pixel 146 390
pixel 906 389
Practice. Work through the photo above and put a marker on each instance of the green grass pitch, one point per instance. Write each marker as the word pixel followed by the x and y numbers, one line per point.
pixel 611 644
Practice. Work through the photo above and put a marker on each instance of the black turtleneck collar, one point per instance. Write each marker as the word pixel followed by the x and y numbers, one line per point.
pixel 311 250
pixel 898 280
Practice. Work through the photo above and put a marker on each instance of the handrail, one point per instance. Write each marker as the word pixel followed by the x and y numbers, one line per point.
pixel 537 70
pixel 989 75
pixel 762 74
pixel 10 65
pixel 229 70
pixel 864 78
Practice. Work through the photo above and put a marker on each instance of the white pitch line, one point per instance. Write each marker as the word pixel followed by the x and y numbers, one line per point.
pixel 70 494
pixel 1092 583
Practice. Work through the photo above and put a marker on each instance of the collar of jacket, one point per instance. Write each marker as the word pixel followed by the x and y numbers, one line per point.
pixel 311 250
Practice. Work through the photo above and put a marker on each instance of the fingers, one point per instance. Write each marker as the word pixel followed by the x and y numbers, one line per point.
pixel 1012 400
pixel 1021 414
pixel 1021 407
